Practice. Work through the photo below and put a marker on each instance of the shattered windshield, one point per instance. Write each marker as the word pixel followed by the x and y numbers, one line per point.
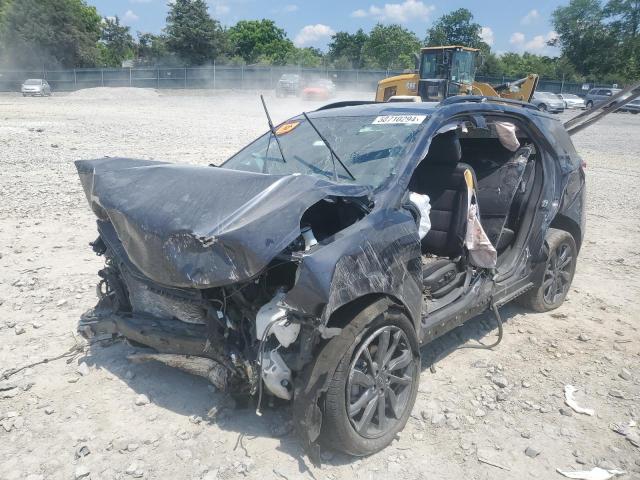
pixel 369 146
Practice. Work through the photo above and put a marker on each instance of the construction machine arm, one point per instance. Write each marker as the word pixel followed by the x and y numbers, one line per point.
pixel 589 117
pixel 522 89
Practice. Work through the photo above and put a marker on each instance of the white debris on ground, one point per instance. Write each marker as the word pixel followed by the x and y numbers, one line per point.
pixel 593 474
pixel 482 415
pixel 569 390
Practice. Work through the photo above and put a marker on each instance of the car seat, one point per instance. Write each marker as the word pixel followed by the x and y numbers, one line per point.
pixel 441 176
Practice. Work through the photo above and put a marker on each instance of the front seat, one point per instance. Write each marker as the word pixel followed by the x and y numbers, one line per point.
pixel 441 176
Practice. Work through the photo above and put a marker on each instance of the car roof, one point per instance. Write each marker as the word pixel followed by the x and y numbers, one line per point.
pixel 457 107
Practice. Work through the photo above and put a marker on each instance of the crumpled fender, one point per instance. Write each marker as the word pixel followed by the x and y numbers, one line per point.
pixel 380 254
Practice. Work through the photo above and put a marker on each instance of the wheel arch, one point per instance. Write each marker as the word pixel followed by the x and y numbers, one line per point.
pixel 562 222
pixel 341 316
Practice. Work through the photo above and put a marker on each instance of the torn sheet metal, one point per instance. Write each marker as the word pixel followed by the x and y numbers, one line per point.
pixel 200 227
pixel 569 390
pixel 387 263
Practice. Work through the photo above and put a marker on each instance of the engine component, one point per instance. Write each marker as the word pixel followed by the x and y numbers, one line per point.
pixel 277 375
pixel 309 238
pixel 285 331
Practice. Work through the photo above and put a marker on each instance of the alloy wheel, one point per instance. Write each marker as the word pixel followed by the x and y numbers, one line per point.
pixel 557 275
pixel 381 375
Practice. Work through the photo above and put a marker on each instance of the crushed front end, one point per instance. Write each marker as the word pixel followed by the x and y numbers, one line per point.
pixel 201 278
pixel 213 332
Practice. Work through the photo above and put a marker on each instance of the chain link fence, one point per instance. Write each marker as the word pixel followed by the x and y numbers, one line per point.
pixel 228 76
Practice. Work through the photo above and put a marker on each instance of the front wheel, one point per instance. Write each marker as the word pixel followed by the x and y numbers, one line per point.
pixel 552 289
pixel 374 386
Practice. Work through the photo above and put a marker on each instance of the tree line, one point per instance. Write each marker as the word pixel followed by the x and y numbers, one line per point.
pixel 596 39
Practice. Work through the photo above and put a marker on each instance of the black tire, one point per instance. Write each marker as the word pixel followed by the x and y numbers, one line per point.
pixel 560 267
pixel 542 107
pixel 338 427
pixel 589 105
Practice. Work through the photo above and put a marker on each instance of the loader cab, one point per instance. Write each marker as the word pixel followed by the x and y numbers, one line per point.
pixel 446 71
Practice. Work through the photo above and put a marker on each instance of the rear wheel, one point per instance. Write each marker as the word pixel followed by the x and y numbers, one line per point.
pixel 542 107
pixel 374 387
pixel 589 105
pixel 560 267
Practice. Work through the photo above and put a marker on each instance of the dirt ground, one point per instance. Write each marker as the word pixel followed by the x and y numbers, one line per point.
pixel 100 417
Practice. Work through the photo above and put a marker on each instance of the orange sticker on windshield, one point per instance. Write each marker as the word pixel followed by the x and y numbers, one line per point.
pixel 286 127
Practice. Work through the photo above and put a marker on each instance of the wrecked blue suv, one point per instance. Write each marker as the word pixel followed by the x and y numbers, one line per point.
pixel 313 264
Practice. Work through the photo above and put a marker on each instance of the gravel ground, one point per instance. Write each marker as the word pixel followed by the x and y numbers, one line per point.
pixel 481 415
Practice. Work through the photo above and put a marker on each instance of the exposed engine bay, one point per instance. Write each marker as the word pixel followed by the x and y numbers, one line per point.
pixel 230 333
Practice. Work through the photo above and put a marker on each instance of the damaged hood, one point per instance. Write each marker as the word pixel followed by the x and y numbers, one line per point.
pixel 200 227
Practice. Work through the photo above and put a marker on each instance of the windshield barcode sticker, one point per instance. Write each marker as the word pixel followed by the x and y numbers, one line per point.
pixel 399 119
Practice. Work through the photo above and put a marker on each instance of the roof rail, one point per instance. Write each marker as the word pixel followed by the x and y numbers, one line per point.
pixel 346 103
pixel 483 99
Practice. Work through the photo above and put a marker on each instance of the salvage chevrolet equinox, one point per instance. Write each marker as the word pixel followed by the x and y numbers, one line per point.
pixel 314 264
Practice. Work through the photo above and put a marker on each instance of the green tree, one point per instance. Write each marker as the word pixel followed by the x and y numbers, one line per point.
pixel 624 18
pixel 152 49
pixel 116 42
pixel 391 46
pixel 192 35
pixel 584 37
pixel 308 57
pixel 491 65
pixel 348 47
pixel 61 33
pixel 456 28
pixel 252 39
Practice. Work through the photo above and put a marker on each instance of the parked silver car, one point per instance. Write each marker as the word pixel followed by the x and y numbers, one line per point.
pixel 289 84
pixel 572 101
pixel 36 86
pixel 548 102
pixel 597 96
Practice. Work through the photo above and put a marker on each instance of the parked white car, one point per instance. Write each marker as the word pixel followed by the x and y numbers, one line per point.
pixel 572 101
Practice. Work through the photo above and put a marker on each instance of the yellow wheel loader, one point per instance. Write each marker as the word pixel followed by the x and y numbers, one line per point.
pixel 444 72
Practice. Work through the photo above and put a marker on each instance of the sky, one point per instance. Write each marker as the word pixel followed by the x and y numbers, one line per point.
pixel 508 26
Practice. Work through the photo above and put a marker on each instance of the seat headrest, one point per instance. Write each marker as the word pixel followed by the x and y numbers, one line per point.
pixel 445 149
